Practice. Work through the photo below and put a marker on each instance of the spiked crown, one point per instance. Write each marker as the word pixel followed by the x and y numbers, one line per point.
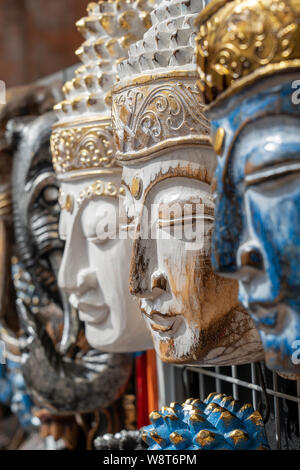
pixel 157 105
pixel 82 139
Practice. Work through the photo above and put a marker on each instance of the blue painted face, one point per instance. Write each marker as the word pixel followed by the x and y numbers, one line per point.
pixel 257 228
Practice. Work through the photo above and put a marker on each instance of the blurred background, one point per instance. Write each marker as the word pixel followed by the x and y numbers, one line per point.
pixel 37 38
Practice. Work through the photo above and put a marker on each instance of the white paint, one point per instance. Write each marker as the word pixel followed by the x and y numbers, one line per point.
pixel 95 274
pixel 188 307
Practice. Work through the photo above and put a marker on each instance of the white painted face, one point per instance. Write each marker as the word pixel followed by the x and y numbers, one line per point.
pixel 193 314
pixel 95 268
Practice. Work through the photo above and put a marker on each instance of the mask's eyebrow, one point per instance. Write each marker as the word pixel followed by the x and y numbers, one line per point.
pixel 270 152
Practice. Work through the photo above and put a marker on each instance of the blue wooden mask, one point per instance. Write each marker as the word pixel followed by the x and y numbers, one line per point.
pixel 252 88
pixel 257 228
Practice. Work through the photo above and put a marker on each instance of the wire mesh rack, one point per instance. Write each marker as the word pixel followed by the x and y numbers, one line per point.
pixel 277 399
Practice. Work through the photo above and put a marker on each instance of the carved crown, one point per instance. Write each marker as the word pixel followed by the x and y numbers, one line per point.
pixel 82 138
pixel 157 103
pixel 241 41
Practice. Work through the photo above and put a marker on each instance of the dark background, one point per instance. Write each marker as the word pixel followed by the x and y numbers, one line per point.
pixel 38 38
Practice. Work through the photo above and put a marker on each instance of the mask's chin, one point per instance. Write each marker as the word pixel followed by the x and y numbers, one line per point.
pixel 178 347
pixel 103 339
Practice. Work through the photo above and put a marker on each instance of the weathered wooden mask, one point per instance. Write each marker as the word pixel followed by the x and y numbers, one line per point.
pixel 94 270
pixel 249 62
pixel 162 137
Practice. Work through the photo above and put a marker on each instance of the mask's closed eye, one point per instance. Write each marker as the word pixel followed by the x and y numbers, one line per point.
pixel 185 222
pixel 270 173
pixel 103 228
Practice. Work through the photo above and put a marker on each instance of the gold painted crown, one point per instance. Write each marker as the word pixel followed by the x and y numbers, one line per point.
pixel 241 41
pixel 157 104
pixel 82 140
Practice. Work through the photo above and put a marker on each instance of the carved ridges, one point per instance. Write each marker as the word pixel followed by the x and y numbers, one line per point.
pixel 170 42
pixel 219 422
pixel 109 29
pixel 169 9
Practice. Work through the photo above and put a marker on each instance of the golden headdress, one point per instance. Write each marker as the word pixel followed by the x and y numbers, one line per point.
pixel 157 104
pixel 82 140
pixel 242 41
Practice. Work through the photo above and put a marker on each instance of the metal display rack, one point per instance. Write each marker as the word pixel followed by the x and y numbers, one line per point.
pixel 277 399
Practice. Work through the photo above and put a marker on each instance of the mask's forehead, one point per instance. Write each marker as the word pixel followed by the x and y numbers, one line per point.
pixel 265 144
pixel 229 118
pixel 77 194
pixel 194 163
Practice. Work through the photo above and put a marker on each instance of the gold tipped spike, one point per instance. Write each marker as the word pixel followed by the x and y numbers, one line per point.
pixel 238 435
pixel 146 19
pixel 256 418
pixel 205 437
pixel 157 438
pixel 174 404
pixel 155 416
pixel 197 401
pixel 107 23
pixel 112 47
pixel 91 7
pixel 126 40
pixel 227 416
pixel 188 401
pixel 176 438
pixel 127 18
pixel 197 418
pixel 245 407
pixel 213 395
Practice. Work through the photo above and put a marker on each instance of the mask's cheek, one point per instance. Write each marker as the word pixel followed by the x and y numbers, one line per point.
pixel 274 220
pixel 185 271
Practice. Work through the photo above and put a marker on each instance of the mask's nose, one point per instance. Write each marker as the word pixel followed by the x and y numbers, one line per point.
pixel 250 261
pixel 144 281
pixel 69 276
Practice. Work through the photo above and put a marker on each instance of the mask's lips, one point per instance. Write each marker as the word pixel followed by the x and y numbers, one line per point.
pixel 161 323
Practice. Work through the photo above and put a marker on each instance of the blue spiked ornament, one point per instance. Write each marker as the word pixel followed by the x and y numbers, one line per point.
pixel 217 423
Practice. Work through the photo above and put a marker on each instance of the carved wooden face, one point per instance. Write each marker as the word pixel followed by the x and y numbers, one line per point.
pixel 188 308
pixel 257 234
pixel 95 267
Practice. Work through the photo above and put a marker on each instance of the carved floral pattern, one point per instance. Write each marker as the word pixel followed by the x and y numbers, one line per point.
pixel 243 39
pixel 81 148
pixel 150 114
